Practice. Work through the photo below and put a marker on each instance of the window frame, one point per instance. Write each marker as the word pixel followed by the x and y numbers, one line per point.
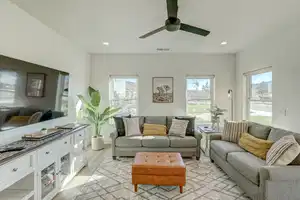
pixel 248 83
pixel 212 90
pixel 124 77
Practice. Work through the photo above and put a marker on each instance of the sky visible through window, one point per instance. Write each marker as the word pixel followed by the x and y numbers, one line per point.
pixel 265 77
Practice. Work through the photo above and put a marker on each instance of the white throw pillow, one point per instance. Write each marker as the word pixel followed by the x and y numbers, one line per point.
pixel 178 127
pixel 132 126
pixel 283 151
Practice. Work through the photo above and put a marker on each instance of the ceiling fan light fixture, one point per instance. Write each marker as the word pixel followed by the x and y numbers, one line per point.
pixel 224 43
pixel 105 43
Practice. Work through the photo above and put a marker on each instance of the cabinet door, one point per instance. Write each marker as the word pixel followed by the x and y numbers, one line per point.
pixel 64 169
pixel 48 178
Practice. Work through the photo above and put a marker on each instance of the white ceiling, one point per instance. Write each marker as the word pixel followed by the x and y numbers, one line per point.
pixel 89 23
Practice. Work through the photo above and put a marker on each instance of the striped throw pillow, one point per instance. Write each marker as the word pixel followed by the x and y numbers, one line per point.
pixel 233 130
pixel 155 129
pixel 283 151
pixel 178 127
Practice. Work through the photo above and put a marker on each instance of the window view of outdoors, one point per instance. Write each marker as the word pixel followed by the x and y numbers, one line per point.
pixel 123 94
pixel 8 81
pixel 198 99
pixel 260 98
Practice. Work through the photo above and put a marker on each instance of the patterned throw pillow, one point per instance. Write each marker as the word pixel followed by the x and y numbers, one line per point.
pixel 155 129
pixel 190 130
pixel 178 127
pixel 283 151
pixel 132 126
pixel 256 146
pixel 233 130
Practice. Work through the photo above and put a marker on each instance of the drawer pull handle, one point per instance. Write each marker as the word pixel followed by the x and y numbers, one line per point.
pixel 80 135
pixel 47 152
pixel 66 142
pixel 15 169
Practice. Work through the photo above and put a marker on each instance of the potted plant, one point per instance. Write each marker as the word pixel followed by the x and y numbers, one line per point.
pixel 91 108
pixel 216 112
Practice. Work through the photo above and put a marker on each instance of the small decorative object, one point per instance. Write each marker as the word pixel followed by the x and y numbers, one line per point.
pixel 92 113
pixel 35 86
pixel 216 112
pixel 162 89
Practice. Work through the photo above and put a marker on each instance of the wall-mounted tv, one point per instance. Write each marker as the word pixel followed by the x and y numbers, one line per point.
pixel 30 93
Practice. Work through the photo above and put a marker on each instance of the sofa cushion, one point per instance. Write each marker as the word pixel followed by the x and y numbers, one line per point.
pixel 259 130
pixel 185 142
pixel 129 141
pixel 156 120
pixel 222 148
pixel 246 164
pixel 169 122
pixel 155 141
pixel 191 125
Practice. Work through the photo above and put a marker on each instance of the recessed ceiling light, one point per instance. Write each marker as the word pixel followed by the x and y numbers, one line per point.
pixel 105 43
pixel 223 43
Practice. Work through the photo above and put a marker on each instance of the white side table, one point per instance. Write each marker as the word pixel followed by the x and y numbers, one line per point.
pixel 205 141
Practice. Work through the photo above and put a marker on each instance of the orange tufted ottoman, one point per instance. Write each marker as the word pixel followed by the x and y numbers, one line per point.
pixel 158 169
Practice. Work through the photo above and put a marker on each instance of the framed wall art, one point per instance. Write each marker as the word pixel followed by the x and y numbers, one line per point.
pixel 162 89
pixel 35 86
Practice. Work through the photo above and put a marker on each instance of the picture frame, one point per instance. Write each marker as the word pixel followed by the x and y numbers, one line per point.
pixel 35 85
pixel 162 89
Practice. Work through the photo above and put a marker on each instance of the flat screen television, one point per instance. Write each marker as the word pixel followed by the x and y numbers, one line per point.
pixel 30 93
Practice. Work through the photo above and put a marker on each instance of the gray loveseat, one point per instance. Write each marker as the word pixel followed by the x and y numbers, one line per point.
pixel 188 146
pixel 259 181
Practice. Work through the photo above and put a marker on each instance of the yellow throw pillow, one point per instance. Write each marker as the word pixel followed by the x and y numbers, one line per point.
pixel 256 146
pixel 18 120
pixel 154 129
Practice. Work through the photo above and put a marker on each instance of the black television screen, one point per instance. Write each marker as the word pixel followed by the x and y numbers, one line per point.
pixel 30 93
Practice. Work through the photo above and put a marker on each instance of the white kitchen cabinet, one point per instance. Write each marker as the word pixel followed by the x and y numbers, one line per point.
pixel 42 172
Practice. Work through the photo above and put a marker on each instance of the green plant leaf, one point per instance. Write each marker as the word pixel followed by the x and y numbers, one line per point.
pixel 110 111
pixel 95 99
pixel 91 90
pixel 86 104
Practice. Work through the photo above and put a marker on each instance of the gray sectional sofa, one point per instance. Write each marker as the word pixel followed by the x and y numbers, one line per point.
pixel 188 146
pixel 259 181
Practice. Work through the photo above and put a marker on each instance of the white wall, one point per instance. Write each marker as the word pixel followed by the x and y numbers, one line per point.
pixel 178 66
pixel 280 50
pixel 25 38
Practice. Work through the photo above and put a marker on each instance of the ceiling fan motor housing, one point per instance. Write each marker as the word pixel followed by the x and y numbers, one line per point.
pixel 172 24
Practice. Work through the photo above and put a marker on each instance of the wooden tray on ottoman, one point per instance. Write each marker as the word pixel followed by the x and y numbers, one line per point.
pixel 158 169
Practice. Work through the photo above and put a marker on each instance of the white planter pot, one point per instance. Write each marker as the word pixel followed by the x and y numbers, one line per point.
pixel 97 143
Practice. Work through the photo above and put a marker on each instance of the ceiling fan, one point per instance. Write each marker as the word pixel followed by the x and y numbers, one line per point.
pixel 174 24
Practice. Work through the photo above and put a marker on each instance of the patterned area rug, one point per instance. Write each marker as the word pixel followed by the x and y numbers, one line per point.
pixel 205 181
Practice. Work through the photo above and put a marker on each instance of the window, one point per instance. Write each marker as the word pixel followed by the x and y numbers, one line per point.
pixel 123 93
pixel 8 83
pixel 62 93
pixel 259 96
pixel 199 98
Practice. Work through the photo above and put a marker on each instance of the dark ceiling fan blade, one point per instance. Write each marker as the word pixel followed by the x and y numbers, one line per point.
pixel 153 32
pixel 172 7
pixel 193 29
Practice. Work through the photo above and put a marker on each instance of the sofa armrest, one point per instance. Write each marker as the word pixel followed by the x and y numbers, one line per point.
pixel 113 136
pixel 280 182
pixel 215 136
pixel 280 173
pixel 198 135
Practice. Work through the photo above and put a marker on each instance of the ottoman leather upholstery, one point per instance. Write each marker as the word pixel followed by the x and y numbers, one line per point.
pixel 158 169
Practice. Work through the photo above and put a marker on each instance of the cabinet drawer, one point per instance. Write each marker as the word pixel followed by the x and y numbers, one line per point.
pixel 65 145
pixel 79 136
pixel 15 170
pixel 48 154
